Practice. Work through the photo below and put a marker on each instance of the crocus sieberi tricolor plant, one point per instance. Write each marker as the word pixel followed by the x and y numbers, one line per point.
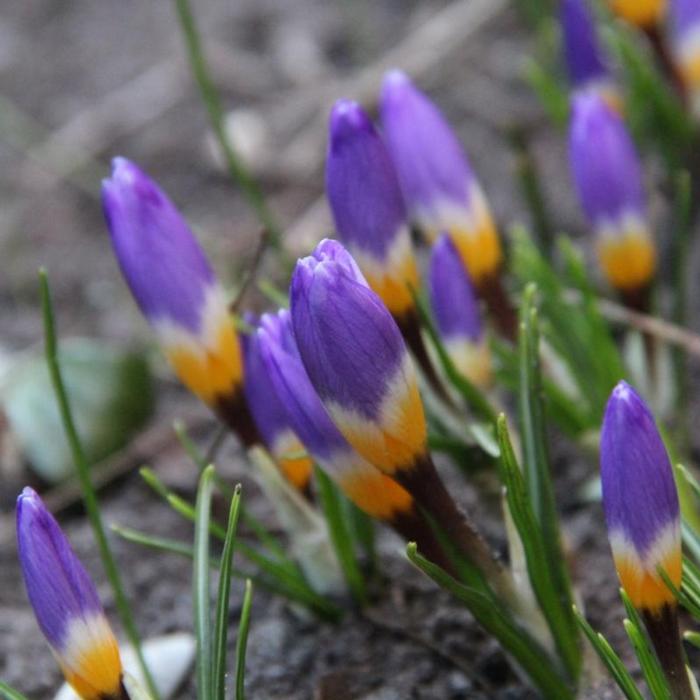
pixel 66 604
pixel 358 363
pixel 607 177
pixel 270 415
pixel 644 523
pixel 586 62
pixel 441 191
pixel 684 20
pixel 178 292
pixel 457 314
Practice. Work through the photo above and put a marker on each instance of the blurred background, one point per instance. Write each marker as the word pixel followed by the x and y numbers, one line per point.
pixel 81 82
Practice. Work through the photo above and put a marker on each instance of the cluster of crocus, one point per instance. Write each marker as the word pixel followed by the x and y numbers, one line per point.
pixel 684 16
pixel 643 518
pixel 413 174
pixel 586 62
pixel 66 605
pixel 608 181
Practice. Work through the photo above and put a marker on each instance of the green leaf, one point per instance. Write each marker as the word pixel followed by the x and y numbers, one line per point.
pixel 557 610
pixel 611 660
pixel 340 535
pixel 111 396
pixel 649 663
pixel 222 600
pixel 494 618
pixel 200 585
pixel 242 639
pixel 10 693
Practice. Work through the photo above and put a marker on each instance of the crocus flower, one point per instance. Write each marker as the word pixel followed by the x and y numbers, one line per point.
pixel 457 314
pixel 439 186
pixel 608 180
pixel 369 489
pixel 177 291
pixel 66 604
pixel 368 208
pixel 585 61
pixel 270 415
pixel 642 13
pixel 684 18
pixel 356 359
pixel 644 523
pixel 640 499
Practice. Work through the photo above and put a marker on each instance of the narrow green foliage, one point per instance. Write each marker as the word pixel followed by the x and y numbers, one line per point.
pixel 693 638
pixel 611 660
pixel 494 618
pixel 474 398
pixel 163 544
pixel 90 501
pixel 556 610
pixel 242 639
pixel 200 585
pixel 649 663
pixel 222 600
pixel 281 575
pixel 540 490
pixel 341 535
pixel 550 91
pixel 654 111
pixel 362 527
pixel 689 594
pixel 10 693
pixel 212 101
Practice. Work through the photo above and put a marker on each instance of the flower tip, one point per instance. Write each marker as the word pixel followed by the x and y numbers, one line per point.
pixel 395 79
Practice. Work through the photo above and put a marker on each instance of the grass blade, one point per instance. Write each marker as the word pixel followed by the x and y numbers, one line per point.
pixel 90 501
pixel 200 585
pixel 10 693
pixel 341 536
pixel 609 658
pixel 514 639
pixel 242 640
pixel 222 601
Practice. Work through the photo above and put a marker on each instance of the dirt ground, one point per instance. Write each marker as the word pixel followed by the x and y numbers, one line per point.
pixel 81 82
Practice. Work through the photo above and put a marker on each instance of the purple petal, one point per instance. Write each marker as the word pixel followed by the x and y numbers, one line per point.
pixel 684 17
pixel 429 159
pixel 292 387
pixel 349 342
pixel 159 257
pixel 604 163
pixel 639 493
pixel 59 588
pixel 582 50
pixel 361 184
pixel 452 296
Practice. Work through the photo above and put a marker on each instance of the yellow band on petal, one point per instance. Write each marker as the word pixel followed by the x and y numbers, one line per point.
pixel 94 673
pixel 643 13
pixel 213 371
pixel 628 260
pixel 647 589
pixel 480 249
pixel 376 494
pixel 394 287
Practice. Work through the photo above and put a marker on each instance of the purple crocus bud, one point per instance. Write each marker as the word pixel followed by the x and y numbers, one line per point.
pixel 174 285
pixel 684 18
pixel 457 315
pixel 640 500
pixel 439 186
pixel 66 604
pixel 372 491
pixel 608 181
pixel 585 60
pixel 368 208
pixel 644 524
pixel 356 359
pixel 270 415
